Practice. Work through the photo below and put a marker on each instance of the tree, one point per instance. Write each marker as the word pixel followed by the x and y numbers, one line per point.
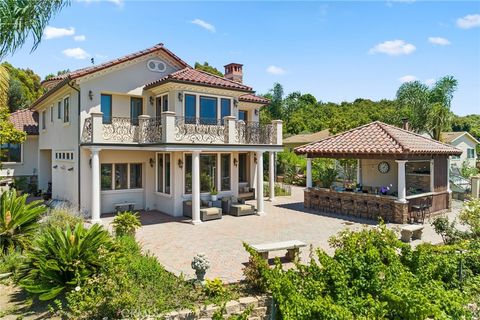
pixel 24 87
pixel 428 109
pixel 208 68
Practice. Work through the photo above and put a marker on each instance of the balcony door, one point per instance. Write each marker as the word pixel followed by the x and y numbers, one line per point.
pixel 136 109
pixel 208 110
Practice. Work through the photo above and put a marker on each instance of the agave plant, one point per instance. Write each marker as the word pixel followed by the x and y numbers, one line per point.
pixel 62 260
pixel 126 223
pixel 18 220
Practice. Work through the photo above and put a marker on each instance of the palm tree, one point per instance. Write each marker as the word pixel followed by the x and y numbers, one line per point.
pixel 428 108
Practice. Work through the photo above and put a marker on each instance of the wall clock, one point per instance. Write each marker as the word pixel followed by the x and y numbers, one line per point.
pixel 383 167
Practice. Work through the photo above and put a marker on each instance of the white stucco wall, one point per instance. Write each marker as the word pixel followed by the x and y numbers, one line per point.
pixel 371 177
pixel 29 164
pixel 464 142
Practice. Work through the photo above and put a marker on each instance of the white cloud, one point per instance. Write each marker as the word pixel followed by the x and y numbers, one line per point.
pixel 205 25
pixel 275 70
pixel 430 82
pixel 439 41
pixel 407 78
pixel 393 48
pixel 52 32
pixel 77 53
pixel 469 21
pixel 80 37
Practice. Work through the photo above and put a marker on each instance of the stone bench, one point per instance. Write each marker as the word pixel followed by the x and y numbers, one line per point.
pixel 124 206
pixel 292 247
pixel 411 231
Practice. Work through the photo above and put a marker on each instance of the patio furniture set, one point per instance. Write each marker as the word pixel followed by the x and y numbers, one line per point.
pixel 212 210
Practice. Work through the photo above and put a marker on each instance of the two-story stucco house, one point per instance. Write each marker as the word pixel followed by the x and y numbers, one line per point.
pixel 465 142
pixel 150 130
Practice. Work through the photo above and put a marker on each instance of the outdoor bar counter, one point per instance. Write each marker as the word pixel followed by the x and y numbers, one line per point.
pixel 372 206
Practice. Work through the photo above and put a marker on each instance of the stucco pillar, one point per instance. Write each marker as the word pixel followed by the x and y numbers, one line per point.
pixel 402 191
pixel 309 172
pixel 448 175
pixel 97 127
pixel 142 128
pixel 260 200
pixel 432 175
pixel 359 172
pixel 196 187
pixel 229 123
pixel 95 210
pixel 271 174
pixel 278 132
pixel 168 126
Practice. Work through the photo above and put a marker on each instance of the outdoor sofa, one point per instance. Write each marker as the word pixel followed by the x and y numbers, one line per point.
pixel 236 206
pixel 206 213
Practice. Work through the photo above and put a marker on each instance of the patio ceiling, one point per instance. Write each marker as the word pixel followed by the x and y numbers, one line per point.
pixel 377 140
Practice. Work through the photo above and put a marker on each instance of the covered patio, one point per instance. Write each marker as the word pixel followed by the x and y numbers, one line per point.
pixel 401 176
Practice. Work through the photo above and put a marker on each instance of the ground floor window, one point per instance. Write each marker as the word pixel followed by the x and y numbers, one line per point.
pixel 242 167
pixel 225 177
pixel 208 173
pixel 163 173
pixel 11 152
pixel 119 176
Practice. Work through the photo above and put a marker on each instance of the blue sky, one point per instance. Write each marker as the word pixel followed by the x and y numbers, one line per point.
pixel 338 51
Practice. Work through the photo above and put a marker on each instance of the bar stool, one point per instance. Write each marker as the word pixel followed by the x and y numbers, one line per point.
pixel 387 212
pixel 427 204
pixel 373 210
pixel 362 209
pixel 348 206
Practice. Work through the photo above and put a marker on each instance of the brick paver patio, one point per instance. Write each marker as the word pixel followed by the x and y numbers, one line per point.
pixel 175 241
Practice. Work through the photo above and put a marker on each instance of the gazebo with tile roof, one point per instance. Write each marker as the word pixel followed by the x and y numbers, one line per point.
pixel 412 167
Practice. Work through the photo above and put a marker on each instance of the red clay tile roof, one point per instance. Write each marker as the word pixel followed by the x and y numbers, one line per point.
pixel 190 75
pixel 64 78
pixel 25 120
pixel 377 139
pixel 253 98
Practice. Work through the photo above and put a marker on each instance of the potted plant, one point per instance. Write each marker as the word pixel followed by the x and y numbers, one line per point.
pixel 213 193
pixel 200 264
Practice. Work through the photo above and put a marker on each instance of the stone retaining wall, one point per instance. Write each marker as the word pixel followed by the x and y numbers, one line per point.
pixel 261 309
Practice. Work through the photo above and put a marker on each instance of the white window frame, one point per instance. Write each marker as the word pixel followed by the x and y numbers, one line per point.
pixel 64 155
pixel 44 120
pixel 66 123
pixel 128 189
pixel 21 156
pixel 156 174
pixel 468 153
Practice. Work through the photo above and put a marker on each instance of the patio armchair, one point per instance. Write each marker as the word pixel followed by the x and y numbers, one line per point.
pixel 245 192
pixel 206 213
pixel 236 207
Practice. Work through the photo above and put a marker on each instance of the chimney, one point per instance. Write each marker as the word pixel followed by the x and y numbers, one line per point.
pixel 233 71
pixel 405 124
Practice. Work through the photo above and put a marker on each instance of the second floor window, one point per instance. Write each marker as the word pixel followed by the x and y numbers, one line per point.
pixel 59 110
pixel 470 153
pixel 66 110
pixel 136 109
pixel 243 115
pixel 44 119
pixel 106 107
pixel 51 113
pixel 225 108
pixel 165 102
pixel 208 110
pixel 190 108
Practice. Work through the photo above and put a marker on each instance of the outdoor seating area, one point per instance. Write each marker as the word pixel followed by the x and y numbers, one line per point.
pixel 212 210
pixel 402 177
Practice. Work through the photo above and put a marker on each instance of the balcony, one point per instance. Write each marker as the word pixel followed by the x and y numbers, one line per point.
pixel 174 129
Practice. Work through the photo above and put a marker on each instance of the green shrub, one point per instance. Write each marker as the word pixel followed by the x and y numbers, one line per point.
pixel 61 218
pixel 470 216
pixel 253 270
pixel 61 260
pixel 11 262
pixel 126 223
pixel 129 284
pixel 18 220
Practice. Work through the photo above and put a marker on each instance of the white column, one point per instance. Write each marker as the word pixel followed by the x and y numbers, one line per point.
pixel 271 175
pixel 260 207
pixel 196 187
pixel 309 172
pixel 432 176
pixel 95 210
pixel 359 172
pixel 402 191
pixel 448 175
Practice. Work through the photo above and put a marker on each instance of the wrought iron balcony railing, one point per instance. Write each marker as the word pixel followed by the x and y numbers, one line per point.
pixel 173 129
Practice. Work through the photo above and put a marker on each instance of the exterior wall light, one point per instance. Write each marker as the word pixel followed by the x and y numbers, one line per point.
pixel 151 162
pixel 70 169
pixel 180 163
pixel 235 162
pixel 255 158
pixel 151 100
pixel 90 95
pixel 256 112
pixel 55 167
pixel 180 96
pixel 235 103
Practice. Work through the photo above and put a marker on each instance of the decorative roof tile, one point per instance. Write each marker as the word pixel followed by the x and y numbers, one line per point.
pixel 253 98
pixel 25 120
pixel 377 138
pixel 190 75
